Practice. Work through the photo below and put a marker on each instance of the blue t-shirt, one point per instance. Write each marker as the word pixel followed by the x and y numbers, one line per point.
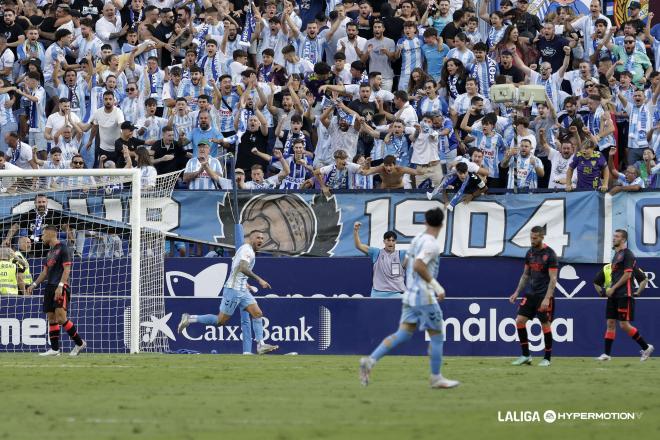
pixel 434 58
pixel 198 135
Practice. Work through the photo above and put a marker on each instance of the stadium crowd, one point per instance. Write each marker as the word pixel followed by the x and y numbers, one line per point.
pixel 331 95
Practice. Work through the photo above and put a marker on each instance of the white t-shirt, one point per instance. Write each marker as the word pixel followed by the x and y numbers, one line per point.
pixel 56 121
pixel 109 126
pixel 148 176
pixel 558 170
pixel 20 157
pixel 349 51
pixel 7 59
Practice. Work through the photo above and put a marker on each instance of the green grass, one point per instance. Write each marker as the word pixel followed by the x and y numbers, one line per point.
pixel 315 397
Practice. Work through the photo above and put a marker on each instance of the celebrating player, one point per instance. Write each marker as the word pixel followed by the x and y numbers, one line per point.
pixel 236 293
pixel 616 281
pixel 58 293
pixel 541 272
pixel 420 309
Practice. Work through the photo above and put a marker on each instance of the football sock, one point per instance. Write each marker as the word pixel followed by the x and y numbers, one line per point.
pixel 205 319
pixel 73 332
pixel 547 339
pixel 522 336
pixel 390 342
pixel 633 333
pixel 54 336
pixel 246 330
pixel 609 340
pixel 258 327
pixel 435 352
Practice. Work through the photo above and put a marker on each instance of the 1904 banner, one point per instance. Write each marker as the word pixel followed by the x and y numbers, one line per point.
pixel 579 225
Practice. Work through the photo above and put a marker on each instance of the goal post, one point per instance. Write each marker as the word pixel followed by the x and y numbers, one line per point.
pixel 110 219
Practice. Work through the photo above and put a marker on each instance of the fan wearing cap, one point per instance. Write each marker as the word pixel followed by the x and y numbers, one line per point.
pixel 126 142
pixel 204 171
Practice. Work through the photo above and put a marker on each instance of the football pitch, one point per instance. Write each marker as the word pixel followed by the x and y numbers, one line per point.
pixel 150 396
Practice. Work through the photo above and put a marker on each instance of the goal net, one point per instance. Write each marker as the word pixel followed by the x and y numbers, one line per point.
pixel 113 224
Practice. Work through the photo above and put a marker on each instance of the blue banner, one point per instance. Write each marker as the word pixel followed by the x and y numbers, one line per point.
pixel 579 225
pixel 326 278
pixel 484 327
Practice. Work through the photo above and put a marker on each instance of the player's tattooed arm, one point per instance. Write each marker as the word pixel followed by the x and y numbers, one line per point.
pixel 521 285
pixel 245 269
pixel 551 290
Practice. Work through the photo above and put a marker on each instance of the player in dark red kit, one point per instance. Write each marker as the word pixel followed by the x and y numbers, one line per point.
pixel 541 273
pixel 621 298
pixel 58 294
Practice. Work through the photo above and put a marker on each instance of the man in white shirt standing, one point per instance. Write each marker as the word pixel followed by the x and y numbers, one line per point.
pixel 352 45
pixel 7 59
pixel 425 152
pixel 59 119
pixel 405 111
pixel 105 122
pixel 109 27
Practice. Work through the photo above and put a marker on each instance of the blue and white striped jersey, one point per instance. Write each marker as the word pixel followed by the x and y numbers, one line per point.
pixel 426 248
pixel 411 55
pixel 238 280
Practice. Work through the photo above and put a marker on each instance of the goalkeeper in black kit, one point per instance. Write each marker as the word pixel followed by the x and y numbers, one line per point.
pixel 57 296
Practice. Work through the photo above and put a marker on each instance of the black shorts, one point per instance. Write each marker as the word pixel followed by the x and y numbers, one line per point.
pixel 529 307
pixel 621 308
pixel 49 298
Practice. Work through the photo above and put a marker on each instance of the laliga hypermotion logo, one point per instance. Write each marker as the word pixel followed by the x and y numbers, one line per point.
pixel 290 224
pixel 208 283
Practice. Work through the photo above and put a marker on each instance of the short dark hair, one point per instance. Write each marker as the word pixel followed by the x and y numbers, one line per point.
pixel 401 94
pixel 61 33
pixel 480 47
pixel 50 228
pixel 623 233
pixel 461 167
pixel 358 65
pixel 538 230
pixel 434 217
pixel 389 160
pixel 389 234
pixel 322 68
